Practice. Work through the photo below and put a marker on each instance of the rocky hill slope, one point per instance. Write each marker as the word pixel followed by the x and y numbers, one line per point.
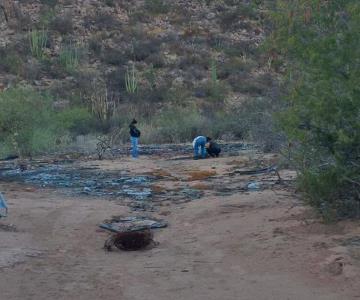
pixel 137 57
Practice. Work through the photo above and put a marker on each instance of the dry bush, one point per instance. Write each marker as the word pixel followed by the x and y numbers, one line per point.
pixel 102 21
pixel 233 18
pixel 96 45
pixel 198 59
pixel 160 173
pixel 32 70
pixel 251 86
pixel 142 49
pixel 113 56
pixel 257 116
pixel 19 20
pixel 137 16
pixel 156 60
pixel 63 24
pixel 11 62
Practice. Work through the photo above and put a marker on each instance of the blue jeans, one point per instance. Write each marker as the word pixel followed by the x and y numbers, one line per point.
pixel 134 147
pixel 200 143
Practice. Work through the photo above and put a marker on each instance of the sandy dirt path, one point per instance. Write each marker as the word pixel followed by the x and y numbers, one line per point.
pixel 254 245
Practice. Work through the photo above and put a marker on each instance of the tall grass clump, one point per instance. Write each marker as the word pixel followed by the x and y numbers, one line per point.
pixel 69 57
pixel 38 40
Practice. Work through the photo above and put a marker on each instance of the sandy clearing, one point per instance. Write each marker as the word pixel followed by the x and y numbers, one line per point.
pixel 258 245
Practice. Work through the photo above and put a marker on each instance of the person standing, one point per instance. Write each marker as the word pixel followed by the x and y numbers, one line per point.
pixel 199 144
pixel 134 137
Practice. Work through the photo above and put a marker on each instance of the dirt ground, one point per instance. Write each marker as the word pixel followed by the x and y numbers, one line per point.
pixel 232 243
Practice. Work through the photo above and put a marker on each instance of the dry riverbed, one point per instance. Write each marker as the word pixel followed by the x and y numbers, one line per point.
pixel 231 235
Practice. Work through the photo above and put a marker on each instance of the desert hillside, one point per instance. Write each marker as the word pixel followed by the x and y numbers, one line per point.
pixel 192 62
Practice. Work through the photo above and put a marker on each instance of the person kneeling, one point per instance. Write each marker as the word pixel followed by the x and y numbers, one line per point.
pixel 199 144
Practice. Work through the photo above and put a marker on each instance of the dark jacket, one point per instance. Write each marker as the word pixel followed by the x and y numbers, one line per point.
pixel 134 132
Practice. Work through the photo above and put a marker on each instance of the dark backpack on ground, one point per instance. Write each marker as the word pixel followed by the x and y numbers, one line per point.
pixel 214 149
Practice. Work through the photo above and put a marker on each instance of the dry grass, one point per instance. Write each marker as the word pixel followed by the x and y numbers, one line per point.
pixel 201 186
pixel 159 173
pixel 200 175
pixel 238 162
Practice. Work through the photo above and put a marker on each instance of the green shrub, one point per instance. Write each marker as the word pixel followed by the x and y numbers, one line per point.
pixel 51 3
pixel 77 120
pixel 11 62
pixel 47 15
pixel 319 43
pixel 26 121
pixel 257 121
pixel 216 92
pixel 178 124
pixel 157 6
pixel 110 3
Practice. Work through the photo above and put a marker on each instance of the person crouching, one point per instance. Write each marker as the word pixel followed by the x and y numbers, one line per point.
pixel 199 146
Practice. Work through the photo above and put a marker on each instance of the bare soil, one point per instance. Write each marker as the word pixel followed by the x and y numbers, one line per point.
pixel 232 243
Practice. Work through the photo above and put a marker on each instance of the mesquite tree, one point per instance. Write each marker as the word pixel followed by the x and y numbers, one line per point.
pixel 318 44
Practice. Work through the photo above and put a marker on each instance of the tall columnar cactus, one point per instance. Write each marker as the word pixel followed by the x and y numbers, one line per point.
pixel 131 82
pixel 213 71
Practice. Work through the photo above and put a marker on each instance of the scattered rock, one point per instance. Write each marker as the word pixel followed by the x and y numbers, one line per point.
pixel 8 227
pixel 335 266
pixel 253 186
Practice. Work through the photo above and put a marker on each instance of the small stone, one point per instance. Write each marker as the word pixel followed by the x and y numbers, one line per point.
pixel 211 16
pixel 87 189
